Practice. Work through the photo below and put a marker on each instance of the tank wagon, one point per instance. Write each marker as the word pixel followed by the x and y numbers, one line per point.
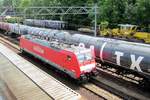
pixel 5 26
pixel 19 29
pixel 126 56
pixel 54 24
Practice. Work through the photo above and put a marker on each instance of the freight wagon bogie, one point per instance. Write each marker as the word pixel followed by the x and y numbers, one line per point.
pixel 140 78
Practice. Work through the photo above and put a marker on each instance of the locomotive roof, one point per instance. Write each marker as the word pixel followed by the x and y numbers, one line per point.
pixel 69 47
pixel 58 44
pixel 75 49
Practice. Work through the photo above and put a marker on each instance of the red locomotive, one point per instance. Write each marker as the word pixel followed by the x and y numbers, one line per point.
pixel 76 61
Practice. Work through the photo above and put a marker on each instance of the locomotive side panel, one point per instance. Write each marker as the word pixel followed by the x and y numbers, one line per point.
pixel 57 58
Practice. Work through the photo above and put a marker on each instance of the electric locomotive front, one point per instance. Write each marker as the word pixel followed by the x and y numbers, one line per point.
pixel 86 62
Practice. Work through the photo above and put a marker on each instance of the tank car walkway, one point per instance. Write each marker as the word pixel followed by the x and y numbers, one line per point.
pixel 26 82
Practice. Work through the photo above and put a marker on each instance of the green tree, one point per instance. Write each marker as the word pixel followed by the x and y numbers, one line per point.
pixel 112 10
pixel 130 13
pixel 25 3
pixel 143 12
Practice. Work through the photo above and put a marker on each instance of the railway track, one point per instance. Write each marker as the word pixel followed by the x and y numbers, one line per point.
pixel 9 43
pixel 105 86
pixel 124 89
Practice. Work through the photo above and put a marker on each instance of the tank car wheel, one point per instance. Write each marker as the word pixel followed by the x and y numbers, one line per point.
pixel 119 71
pixel 145 84
pixel 9 33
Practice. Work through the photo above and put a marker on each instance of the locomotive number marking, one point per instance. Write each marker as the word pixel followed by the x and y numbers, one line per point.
pixel 38 49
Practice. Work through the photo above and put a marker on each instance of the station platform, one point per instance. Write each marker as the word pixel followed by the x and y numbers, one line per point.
pixel 24 81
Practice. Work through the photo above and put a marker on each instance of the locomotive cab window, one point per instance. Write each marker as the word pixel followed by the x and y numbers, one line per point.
pixel 84 57
pixel 68 58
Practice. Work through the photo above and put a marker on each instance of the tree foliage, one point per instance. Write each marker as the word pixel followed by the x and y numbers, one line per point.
pixel 112 11
pixel 24 3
